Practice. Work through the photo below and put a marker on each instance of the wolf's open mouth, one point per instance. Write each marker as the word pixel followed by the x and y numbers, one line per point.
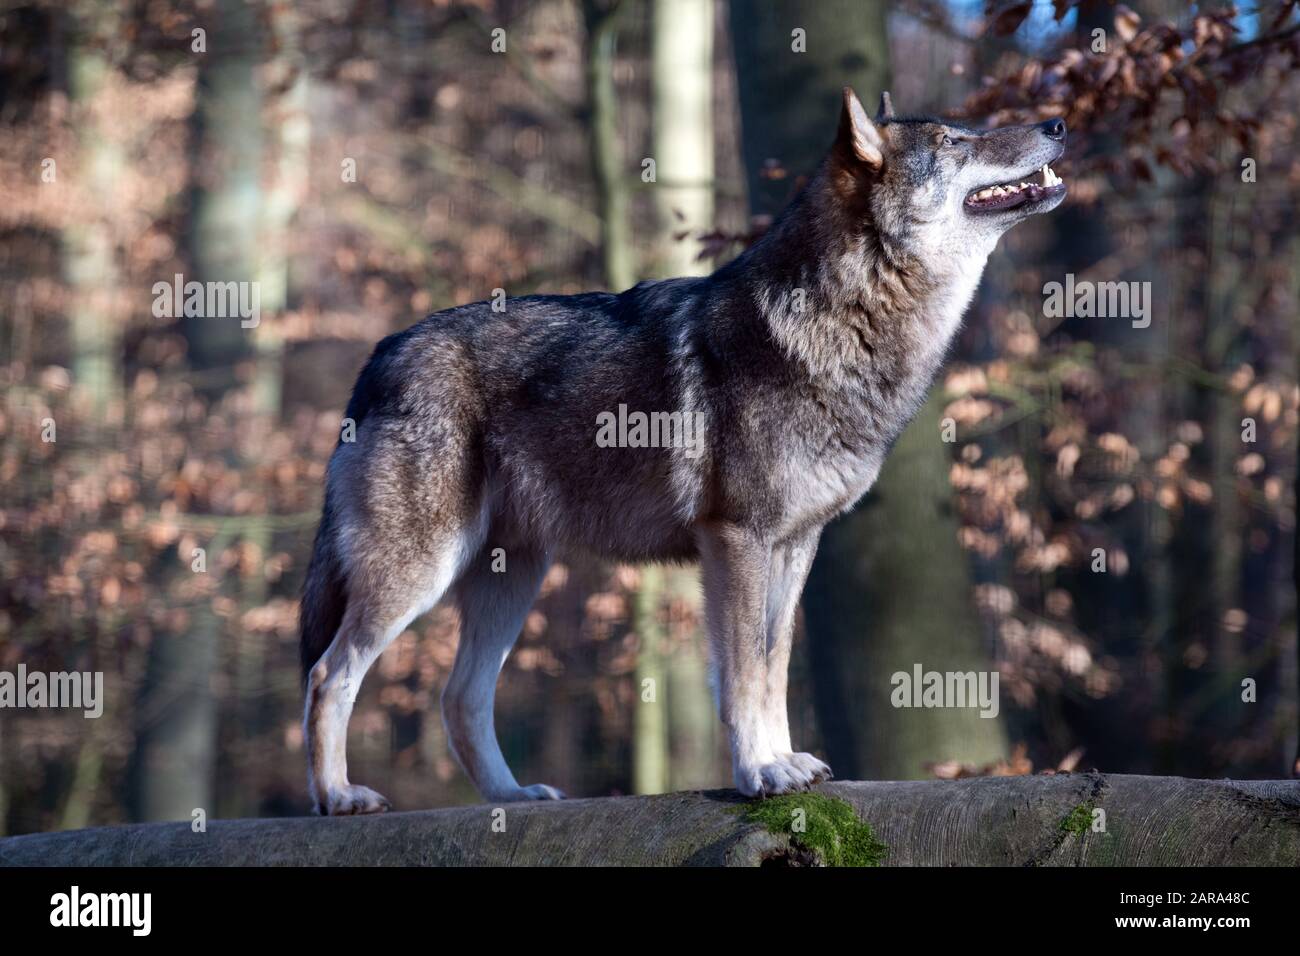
pixel 1039 185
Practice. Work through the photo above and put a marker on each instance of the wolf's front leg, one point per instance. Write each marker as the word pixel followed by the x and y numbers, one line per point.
pixel 736 564
pixel 789 571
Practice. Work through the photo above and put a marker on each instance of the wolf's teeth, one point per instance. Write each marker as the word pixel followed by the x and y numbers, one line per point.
pixel 984 194
pixel 999 191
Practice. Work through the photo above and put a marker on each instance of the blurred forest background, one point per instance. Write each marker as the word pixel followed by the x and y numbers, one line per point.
pixel 369 163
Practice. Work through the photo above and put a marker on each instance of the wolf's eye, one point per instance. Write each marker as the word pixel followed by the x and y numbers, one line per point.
pixel 946 141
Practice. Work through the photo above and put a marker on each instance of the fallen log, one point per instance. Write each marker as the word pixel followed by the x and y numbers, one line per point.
pixel 1060 820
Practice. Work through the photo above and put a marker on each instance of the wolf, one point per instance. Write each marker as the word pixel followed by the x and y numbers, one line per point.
pixel 800 362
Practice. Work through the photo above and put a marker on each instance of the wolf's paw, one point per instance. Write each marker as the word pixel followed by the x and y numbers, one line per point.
pixel 352 799
pixel 538 791
pixel 780 775
pixel 811 766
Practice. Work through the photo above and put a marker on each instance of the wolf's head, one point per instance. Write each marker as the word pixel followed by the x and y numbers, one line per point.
pixel 941 188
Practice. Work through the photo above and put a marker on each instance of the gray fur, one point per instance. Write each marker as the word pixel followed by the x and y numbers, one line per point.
pixel 803 359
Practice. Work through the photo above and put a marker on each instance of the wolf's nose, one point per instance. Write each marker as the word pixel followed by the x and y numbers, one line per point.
pixel 1054 128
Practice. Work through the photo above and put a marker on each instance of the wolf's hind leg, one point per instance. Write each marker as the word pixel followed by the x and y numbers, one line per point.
pixel 493 605
pixel 380 606
pixel 789 570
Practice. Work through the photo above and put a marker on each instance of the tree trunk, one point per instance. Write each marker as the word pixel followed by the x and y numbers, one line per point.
pixel 682 82
pixel 682 65
pixel 789 102
pixel 650 742
pixel 177 752
pixel 225 226
pixel 93 276
pixel 890 586
pixel 254 707
pixel 617 253
pixel 987 821
pixel 890 589
pixel 90 254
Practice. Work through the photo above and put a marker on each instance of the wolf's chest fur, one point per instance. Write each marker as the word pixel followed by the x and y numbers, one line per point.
pixel 854 375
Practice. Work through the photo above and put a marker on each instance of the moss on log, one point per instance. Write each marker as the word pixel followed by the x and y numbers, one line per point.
pixel 998 821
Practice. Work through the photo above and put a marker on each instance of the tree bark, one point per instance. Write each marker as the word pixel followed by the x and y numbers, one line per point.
pixel 987 821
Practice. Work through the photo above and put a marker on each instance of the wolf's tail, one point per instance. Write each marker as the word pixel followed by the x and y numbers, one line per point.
pixel 324 596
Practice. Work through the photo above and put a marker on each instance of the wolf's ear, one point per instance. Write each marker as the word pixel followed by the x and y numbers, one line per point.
pixel 886 111
pixel 859 134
